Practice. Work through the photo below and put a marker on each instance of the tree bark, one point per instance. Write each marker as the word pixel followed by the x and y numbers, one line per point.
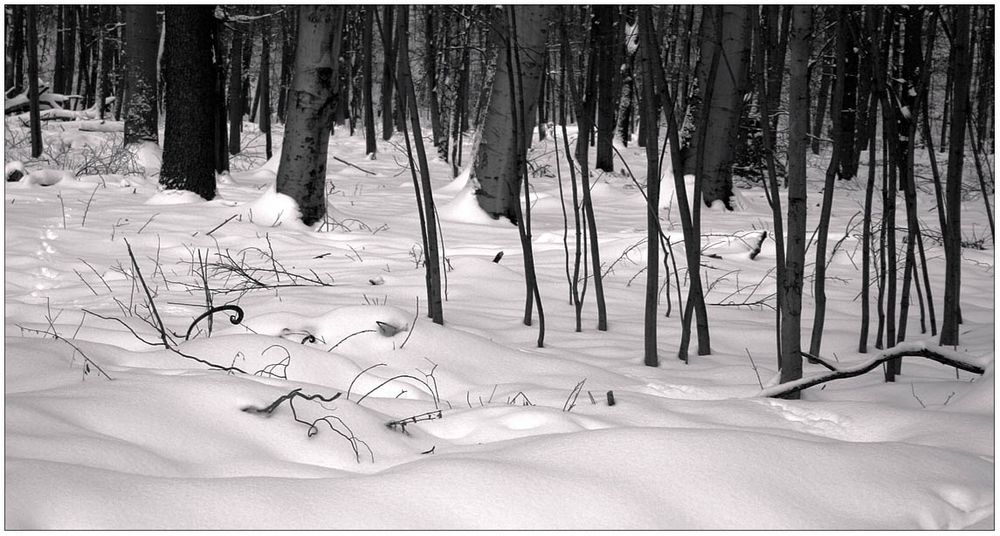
pixel 236 90
pixel 650 52
pixel 34 113
pixel 729 84
pixel 824 91
pixel 264 83
pixel 606 39
pixel 800 44
pixel 141 41
pixel 188 137
pixel 956 154
pixel 302 170
pixel 498 190
pixel 366 38
pixel 387 73
pixel 18 48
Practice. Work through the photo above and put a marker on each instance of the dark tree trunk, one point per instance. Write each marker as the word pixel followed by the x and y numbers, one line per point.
pixel 264 83
pixel 819 119
pixel 606 39
pixel 287 59
pixel 235 89
pixel 302 170
pixel 728 78
pixel 650 52
pixel 849 113
pixel 189 133
pixel 440 139
pixel 221 138
pixel 246 99
pixel 387 73
pixel 18 48
pixel 60 53
pixel 366 38
pixel 141 40
pixel 798 109
pixel 956 154
pixel 104 64
pixel 33 111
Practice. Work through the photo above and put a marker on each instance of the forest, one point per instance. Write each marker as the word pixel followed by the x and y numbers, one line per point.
pixel 499 266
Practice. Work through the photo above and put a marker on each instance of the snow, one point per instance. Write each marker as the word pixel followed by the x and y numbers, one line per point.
pixel 489 431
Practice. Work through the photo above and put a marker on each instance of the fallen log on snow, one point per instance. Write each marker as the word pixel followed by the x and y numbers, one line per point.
pixel 940 354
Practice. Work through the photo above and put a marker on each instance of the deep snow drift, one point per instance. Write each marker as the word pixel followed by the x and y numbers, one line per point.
pixel 466 425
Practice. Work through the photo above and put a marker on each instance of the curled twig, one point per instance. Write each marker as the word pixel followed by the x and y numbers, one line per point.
pixel 235 319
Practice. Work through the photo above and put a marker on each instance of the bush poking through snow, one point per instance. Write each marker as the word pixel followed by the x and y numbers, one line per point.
pixel 340 428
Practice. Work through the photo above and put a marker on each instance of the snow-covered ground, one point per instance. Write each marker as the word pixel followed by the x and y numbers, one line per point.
pixel 487 431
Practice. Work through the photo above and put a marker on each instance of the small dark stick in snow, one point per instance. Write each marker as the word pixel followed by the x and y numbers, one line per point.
pixel 611 398
pixel 498 257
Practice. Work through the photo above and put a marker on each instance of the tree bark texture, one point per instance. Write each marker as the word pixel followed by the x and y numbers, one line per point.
pixel 956 154
pixel 189 132
pixel 729 84
pixel 236 89
pixel 607 40
pixel 302 170
pixel 498 187
pixel 141 42
pixel 34 113
pixel 366 68
pixel 800 42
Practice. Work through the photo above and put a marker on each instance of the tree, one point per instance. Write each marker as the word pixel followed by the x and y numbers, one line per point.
pixel 142 43
pixel 800 42
pixel 649 53
pixel 302 169
pixel 264 83
pixel 498 189
pixel 190 99
pixel 34 112
pixel 956 154
pixel 722 81
pixel 235 89
pixel 606 40
pixel 366 67
pixel 387 72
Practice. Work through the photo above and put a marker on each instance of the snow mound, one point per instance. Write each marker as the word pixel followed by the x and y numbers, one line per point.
pixel 464 208
pixel 273 209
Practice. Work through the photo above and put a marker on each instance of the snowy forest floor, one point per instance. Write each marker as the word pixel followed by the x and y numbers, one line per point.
pixel 489 431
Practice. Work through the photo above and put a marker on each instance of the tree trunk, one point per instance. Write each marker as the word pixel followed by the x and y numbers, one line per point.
pixel 956 153
pixel 387 76
pixel 302 170
pixel 849 112
pixel 729 84
pixel 498 190
pixel 370 147
pixel 189 133
pixel 824 91
pixel 60 53
pixel 33 112
pixel 823 229
pixel 141 41
pixel 800 44
pixel 440 139
pixel 606 28
pixel 235 90
pixel 18 48
pixel 650 52
pixel 426 195
pixel 264 83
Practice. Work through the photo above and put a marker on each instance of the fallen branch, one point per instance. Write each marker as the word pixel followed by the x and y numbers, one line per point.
pixel 342 161
pixel 913 349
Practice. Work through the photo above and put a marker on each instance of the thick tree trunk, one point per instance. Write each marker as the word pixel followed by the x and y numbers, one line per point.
pixel 60 53
pixel 188 137
pixel 956 154
pixel 729 84
pixel 606 38
pixel 34 113
pixel 141 41
pixel 820 118
pixel 498 190
pixel 302 170
pixel 430 73
pixel 800 42
pixel 221 135
pixel 849 112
